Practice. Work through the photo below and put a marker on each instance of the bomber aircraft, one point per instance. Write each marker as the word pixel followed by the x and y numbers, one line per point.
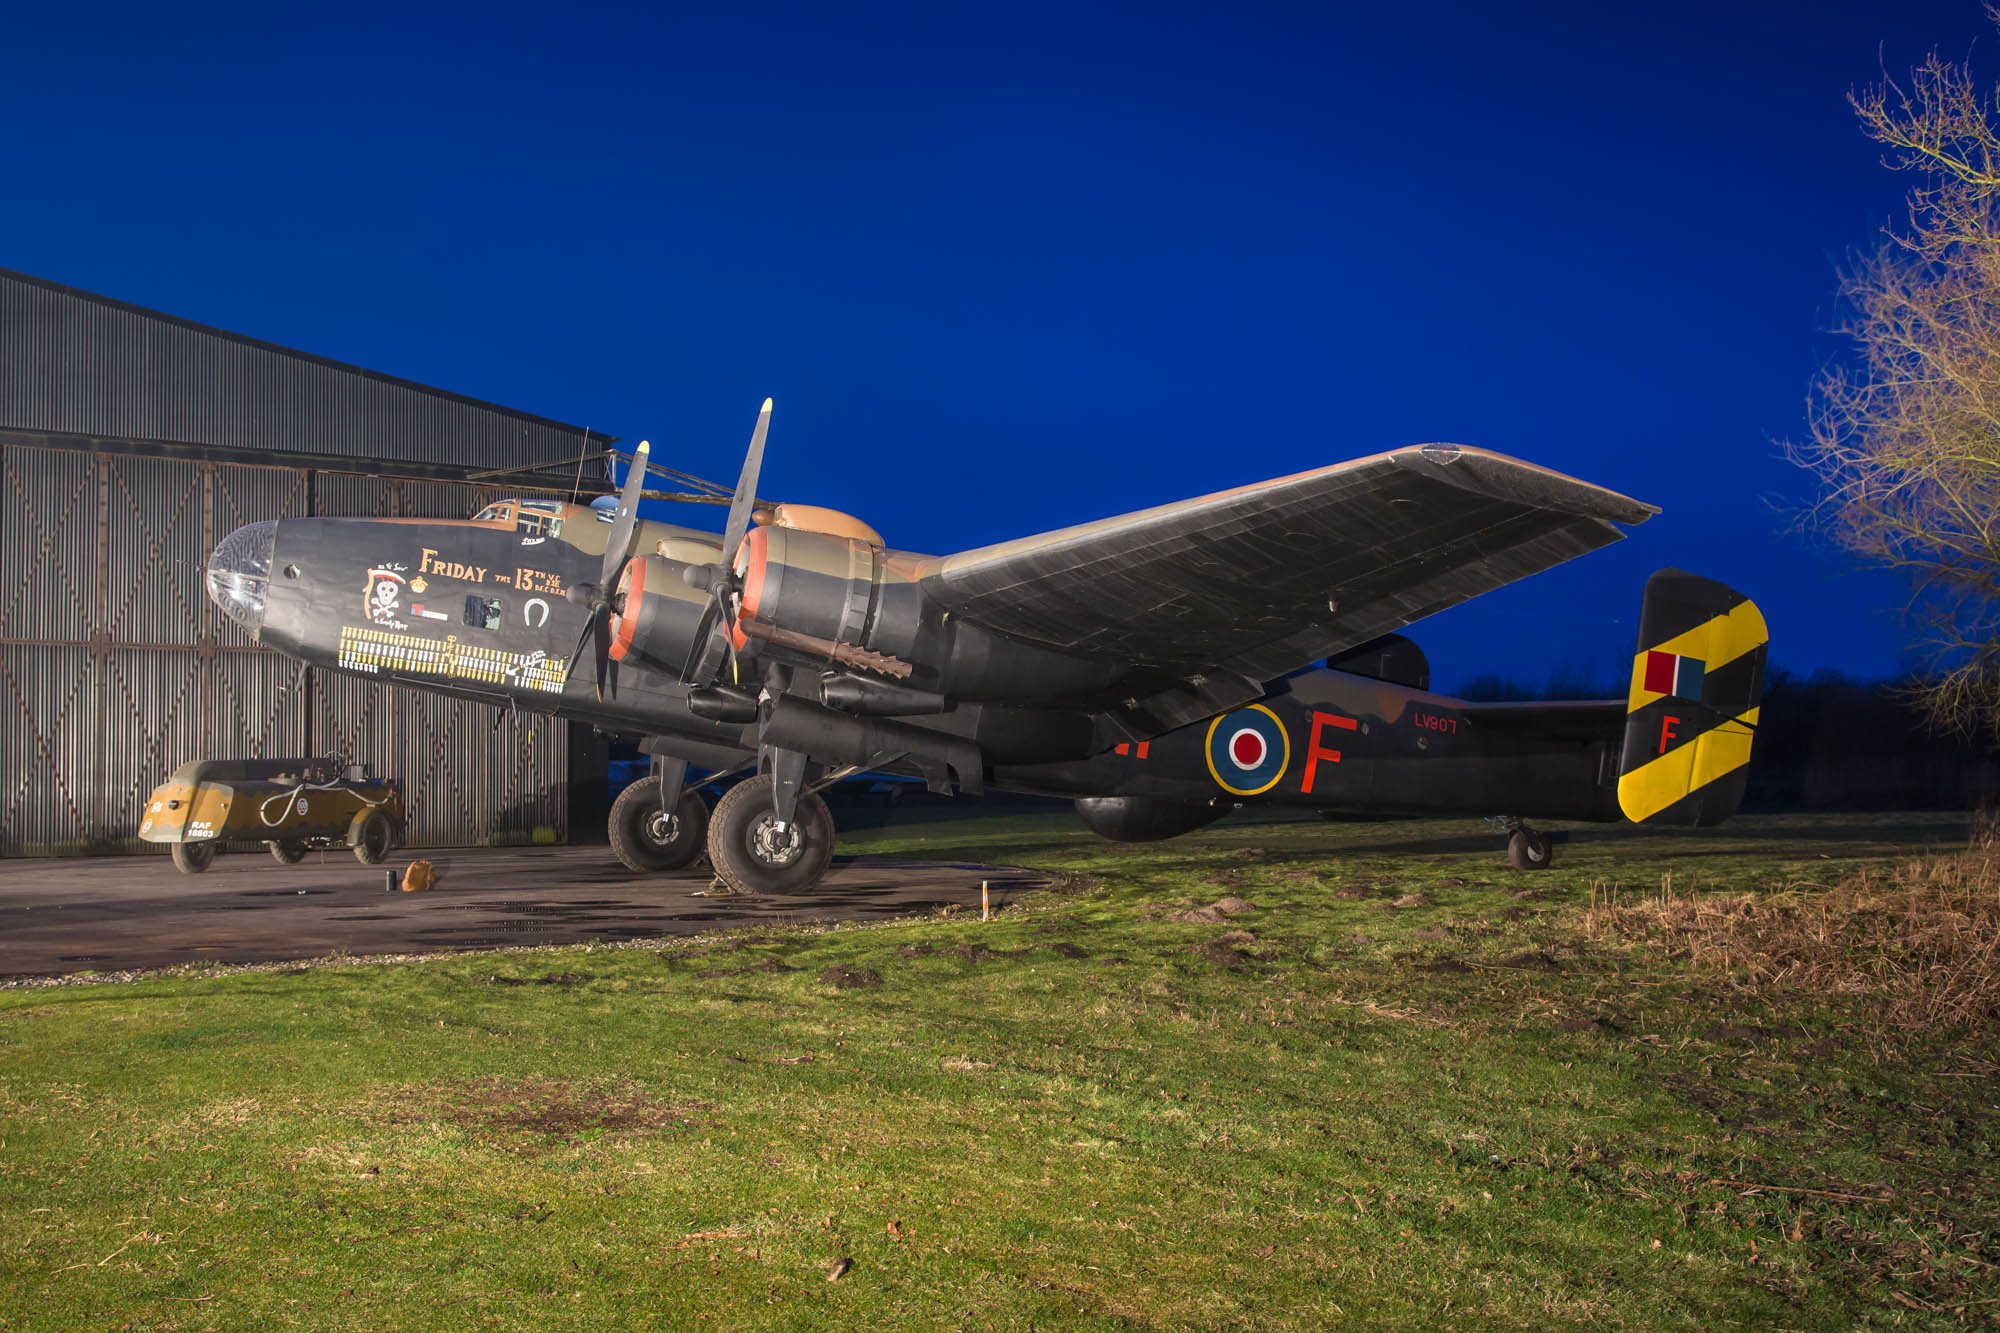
pixel 1147 666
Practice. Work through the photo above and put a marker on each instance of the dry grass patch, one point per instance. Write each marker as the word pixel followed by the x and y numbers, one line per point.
pixel 1920 943
pixel 535 1114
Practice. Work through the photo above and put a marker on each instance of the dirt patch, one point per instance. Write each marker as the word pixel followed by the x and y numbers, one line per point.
pixel 979 953
pixel 1068 950
pixel 1531 961
pixel 918 950
pixel 858 978
pixel 1216 951
pixel 768 965
pixel 1733 1032
pixel 1448 966
pixel 533 1114
pixel 1595 1026
pixel 1731 1108
pixel 1449 882
pixel 1236 937
pixel 1222 879
pixel 1412 900
pixel 552 979
pixel 1214 913
pixel 1206 916
pixel 1354 893
pixel 1249 851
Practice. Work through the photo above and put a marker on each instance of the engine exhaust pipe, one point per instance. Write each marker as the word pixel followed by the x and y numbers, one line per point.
pixel 878 698
pixel 945 761
pixel 718 704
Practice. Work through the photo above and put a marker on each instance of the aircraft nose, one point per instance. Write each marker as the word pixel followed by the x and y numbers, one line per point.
pixel 239 572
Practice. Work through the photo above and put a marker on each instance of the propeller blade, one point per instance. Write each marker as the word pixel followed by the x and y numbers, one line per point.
pixel 577 651
pixel 601 622
pixel 698 646
pixel 598 621
pixel 735 614
pixel 618 545
pixel 746 489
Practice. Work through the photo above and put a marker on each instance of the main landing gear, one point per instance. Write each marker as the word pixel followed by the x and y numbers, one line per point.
pixel 1527 849
pixel 754 851
pixel 646 836
pixel 768 834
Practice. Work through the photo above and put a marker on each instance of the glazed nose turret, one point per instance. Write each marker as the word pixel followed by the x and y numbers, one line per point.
pixel 239 573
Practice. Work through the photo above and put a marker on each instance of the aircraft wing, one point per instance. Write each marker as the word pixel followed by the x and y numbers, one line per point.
pixel 1221 593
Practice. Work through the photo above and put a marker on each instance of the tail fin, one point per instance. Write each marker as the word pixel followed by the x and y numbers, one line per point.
pixel 1697 681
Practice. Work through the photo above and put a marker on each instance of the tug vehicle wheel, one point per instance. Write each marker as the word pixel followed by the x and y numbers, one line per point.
pixel 753 855
pixel 191 858
pixel 645 840
pixel 1529 850
pixel 371 837
pixel 287 852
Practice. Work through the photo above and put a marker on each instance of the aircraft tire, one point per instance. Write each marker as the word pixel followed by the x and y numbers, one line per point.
pixel 748 854
pixel 191 858
pixel 372 838
pixel 1529 850
pixel 638 839
pixel 287 852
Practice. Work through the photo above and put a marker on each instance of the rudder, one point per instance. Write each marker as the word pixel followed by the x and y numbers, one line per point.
pixel 1691 715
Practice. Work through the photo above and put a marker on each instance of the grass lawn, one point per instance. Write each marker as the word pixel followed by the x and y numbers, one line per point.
pixel 1396 1085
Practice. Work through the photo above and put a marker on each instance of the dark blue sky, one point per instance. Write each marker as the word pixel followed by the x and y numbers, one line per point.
pixel 1009 268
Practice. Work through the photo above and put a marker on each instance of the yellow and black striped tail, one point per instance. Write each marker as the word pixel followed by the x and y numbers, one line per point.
pixel 1697 682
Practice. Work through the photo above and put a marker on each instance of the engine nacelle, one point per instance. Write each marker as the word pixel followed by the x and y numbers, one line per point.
pixel 816 584
pixel 845 591
pixel 1146 818
pixel 657 614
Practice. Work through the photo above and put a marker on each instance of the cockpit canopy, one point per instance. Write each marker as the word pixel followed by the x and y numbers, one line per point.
pixel 538 518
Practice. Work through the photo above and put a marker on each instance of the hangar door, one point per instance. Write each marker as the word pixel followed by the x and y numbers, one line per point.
pixel 115 668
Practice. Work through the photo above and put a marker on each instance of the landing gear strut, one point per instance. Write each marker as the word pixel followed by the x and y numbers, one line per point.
pixel 1526 848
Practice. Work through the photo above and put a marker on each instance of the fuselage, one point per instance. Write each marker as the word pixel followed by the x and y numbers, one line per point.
pixel 480 609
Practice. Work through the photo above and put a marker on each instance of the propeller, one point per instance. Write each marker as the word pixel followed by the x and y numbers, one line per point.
pixel 719 579
pixel 617 552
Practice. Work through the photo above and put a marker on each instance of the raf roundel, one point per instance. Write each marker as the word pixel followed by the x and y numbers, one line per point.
pixel 1248 750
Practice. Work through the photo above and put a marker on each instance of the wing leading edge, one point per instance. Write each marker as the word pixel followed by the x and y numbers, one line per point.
pixel 1214 595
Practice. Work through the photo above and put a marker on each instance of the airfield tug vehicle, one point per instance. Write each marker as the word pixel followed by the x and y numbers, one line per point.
pixel 292 806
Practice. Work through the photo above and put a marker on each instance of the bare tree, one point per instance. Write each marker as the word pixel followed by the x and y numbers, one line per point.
pixel 1905 435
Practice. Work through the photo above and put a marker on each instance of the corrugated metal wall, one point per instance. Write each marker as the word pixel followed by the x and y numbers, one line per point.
pixel 78 363
pixel 115 667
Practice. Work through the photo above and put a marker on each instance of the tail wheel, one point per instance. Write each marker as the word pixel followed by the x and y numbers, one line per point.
pixel 191 858
pixel 1529 850
pixel 288 852
pixel 645 839
pixel 753 855
pixel 371 836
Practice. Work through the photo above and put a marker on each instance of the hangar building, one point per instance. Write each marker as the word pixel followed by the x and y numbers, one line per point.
pixel 130 443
